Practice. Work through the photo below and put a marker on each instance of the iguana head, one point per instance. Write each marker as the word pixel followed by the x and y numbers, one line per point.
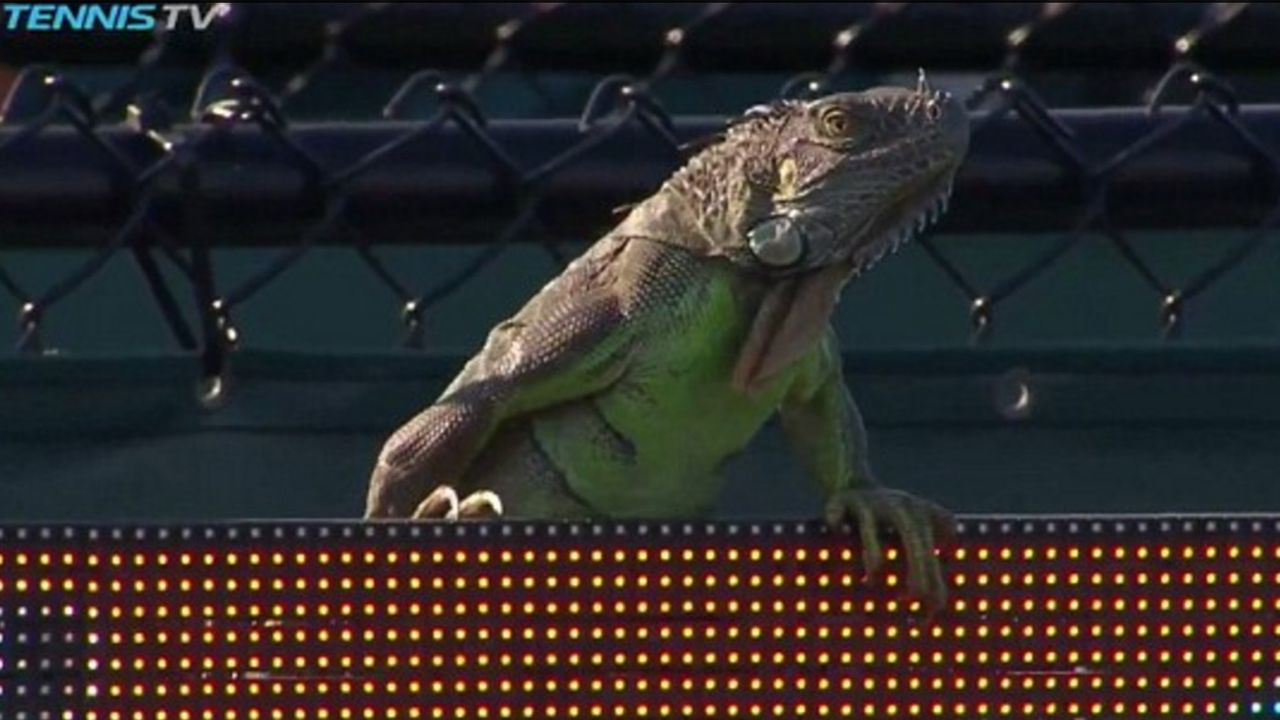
pixel 840 180
pixel 809 194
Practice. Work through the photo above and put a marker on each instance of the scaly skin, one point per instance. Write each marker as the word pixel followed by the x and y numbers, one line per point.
pixel 623 386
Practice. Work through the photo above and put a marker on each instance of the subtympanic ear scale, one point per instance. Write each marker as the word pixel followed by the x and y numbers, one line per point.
pixel 776 242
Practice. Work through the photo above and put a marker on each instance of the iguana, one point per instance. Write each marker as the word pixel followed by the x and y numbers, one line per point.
pixel 623 385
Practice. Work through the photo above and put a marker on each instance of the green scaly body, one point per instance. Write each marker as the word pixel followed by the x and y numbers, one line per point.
pixel 622 387
pixel 678 378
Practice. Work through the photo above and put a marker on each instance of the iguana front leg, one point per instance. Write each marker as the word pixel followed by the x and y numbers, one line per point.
pixel 823 424
pixel 564 345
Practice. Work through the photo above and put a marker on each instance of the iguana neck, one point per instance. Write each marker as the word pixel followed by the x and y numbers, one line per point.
pixel 705 207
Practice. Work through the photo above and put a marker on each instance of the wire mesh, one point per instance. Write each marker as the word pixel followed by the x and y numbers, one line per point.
pixel 120 157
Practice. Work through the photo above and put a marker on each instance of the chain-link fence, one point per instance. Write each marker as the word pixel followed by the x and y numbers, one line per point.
pixel 94 155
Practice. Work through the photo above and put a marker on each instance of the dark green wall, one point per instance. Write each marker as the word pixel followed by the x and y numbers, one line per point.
pixel 1121 420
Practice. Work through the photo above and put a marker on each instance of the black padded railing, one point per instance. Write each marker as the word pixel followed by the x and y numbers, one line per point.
pixel 699 37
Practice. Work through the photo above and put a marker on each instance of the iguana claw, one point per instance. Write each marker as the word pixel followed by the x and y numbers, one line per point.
pixel 480 505
pixel 921 526
pixel 443 504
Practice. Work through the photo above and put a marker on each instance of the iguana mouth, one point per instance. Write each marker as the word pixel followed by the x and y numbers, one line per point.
pixel 917 207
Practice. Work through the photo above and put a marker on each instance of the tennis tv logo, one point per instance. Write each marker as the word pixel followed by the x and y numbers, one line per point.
pixel 118 17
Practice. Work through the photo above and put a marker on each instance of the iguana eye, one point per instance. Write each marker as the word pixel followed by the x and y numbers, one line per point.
pixel 835 121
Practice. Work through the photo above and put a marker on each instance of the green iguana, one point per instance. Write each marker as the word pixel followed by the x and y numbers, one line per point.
pixel 625 383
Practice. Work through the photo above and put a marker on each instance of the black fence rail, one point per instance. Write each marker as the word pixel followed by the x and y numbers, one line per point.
pixel 236 170
pixel 304 44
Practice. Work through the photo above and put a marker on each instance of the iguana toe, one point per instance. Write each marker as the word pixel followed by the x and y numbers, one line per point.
pixel 920 526
pixel 441 504
pixel 481 505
